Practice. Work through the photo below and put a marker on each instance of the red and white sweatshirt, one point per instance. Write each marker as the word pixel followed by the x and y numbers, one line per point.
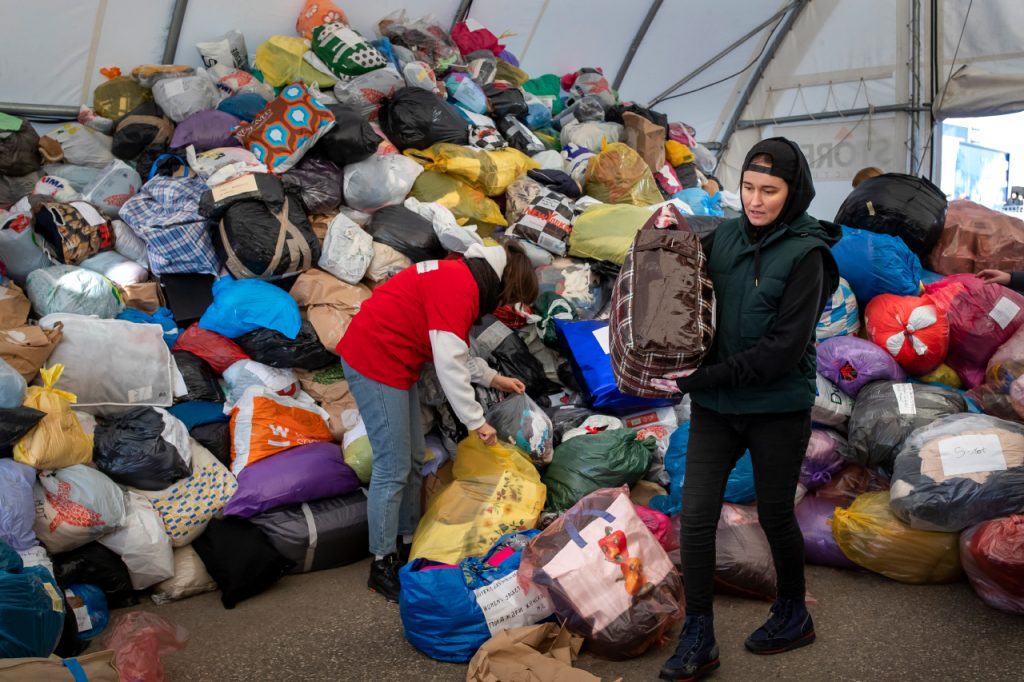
pixel 424 314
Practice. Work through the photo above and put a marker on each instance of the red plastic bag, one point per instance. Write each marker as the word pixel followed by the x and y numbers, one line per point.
pixel 982 317
pixel 911 328
pixel 992 554
pixel 472 39
pixel 138 640
pixel 219 351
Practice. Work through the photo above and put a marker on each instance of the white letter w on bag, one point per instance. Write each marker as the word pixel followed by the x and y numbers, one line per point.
pixel 280 432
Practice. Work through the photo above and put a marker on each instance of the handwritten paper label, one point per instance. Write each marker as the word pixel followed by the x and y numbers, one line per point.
pixel 905 398
pixel 1004 311
pixel 242 185
pixel 971 454
pixel 603 339
pixel 505 605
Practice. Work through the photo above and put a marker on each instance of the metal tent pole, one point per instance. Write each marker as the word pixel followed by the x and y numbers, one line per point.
pixel 174 32
pixel 635 45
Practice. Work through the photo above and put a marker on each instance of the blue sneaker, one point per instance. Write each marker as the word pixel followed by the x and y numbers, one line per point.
pixel 789 627
pixel 696 655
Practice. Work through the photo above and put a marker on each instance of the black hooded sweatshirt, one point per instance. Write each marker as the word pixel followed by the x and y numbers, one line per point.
pixel 803 298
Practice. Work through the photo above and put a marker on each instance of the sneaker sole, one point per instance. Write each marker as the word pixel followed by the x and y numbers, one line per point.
pixel 386 597
pixel 796 644
pixel 701 673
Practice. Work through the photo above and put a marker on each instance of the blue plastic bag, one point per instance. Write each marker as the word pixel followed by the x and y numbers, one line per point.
pixel 739 489
pixel 162 317
pixel 198 412
pixel 701 202
pixel 241 306
pixel 17 507
pixel 538 115
pixel 585 343
pixel 877 264
pixel 89 604
pixel 244 106
pixel 439 607
pixel 31 609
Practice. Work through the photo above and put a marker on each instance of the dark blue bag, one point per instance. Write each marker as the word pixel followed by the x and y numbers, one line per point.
pixel 877 264
pixel 739 489
pixel 439 606
pixel 31 608
pixel 585 343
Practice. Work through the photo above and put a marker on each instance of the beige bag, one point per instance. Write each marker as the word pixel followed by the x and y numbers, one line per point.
pixel 647 138
pixel 190 578
pixel 536 653
pixel 331 392
pixel 14 306
pixel 98 667
pixel 144 296
pixel 27 348
pixel 328 303
pixel 386 263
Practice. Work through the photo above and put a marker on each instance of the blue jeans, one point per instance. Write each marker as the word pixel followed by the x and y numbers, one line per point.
pixel 392 419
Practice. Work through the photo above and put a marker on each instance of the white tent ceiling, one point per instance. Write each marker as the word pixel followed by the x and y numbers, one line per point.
pixel 837 56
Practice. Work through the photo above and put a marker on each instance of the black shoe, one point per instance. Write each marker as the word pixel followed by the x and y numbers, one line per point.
pixel 384 577
pixel 788 627
pixel 696 655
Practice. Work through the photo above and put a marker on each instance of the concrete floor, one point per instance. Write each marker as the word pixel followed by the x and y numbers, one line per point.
pixel 327 626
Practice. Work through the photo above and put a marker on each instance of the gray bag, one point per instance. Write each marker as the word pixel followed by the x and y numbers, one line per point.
pixel 319 535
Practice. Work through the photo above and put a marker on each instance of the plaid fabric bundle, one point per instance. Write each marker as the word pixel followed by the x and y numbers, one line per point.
pixel 487 138
pixel 165 214
pixel 663 305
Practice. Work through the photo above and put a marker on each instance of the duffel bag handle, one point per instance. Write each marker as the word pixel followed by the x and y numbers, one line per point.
pixel 155 168
pixel 573 532
pixel 668 217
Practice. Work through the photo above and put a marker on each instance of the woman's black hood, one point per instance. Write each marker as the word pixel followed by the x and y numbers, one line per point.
pixel 790 165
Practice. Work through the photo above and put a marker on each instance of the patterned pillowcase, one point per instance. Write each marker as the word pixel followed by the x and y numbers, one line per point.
pixel 286 128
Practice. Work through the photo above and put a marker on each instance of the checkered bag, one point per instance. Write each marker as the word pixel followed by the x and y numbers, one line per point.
pixel 487 138
pixel 663 305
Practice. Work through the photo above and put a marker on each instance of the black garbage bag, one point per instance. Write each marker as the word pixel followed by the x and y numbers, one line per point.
pixel 15 422
pixel 518 135
pixel 157 159
pixel 414 118
pixel 19 151
pixel 906 206
pixel 215 437
pixel 505 351
pixel 887 412
pixel 70 644
pixel 200 379
pixel 505 101
pixel 275 349
pixel 560 181
pixel 565 418
pixel 615 112
pixel 94 564
pixel 263 232
pixel 351 139
pixel 239 558
pixel 142 448
pixel 317 181
pixel 407 232
pixel 144 126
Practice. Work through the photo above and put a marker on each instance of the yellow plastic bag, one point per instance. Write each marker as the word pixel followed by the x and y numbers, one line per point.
pixel 678 153
pixel 943 374
pixel 496 491
pixel 58 440
pixel 871 536
pixel 468 204
pixel 605 231
pixel 510 74
pixel 280 60
pixel 489 172
pixel 618 175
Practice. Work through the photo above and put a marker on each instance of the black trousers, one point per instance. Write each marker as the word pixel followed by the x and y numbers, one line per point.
pixel 777 443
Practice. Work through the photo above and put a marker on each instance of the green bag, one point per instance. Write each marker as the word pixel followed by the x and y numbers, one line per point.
pixel 344 52
pixel 550 307
pixel 116 97
pixel 587 463
pixel 548 88
pixel 606 231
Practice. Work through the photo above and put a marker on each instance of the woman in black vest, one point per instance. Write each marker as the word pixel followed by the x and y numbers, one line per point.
pixel 772 270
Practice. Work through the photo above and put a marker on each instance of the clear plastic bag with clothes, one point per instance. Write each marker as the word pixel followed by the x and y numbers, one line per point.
pixel 380 180
pixel 992 554
pixel 143 544
pixel 522 423
pixel 179 98
pixel 453 237
pixel 347 251
pixel 139 639
pixel 12 386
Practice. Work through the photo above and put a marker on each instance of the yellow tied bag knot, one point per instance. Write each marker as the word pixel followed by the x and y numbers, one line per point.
pixel 496 490
pixel 58 440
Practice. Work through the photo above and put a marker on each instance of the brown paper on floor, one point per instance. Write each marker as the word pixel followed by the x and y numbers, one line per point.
pixel 328 303
pixel 144 296
pixel 27 348
pixel 14 306
pixel 537 653
pixel 328 388
pixel 976 238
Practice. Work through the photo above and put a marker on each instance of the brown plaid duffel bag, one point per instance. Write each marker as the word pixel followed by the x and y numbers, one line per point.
pixel 663 305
